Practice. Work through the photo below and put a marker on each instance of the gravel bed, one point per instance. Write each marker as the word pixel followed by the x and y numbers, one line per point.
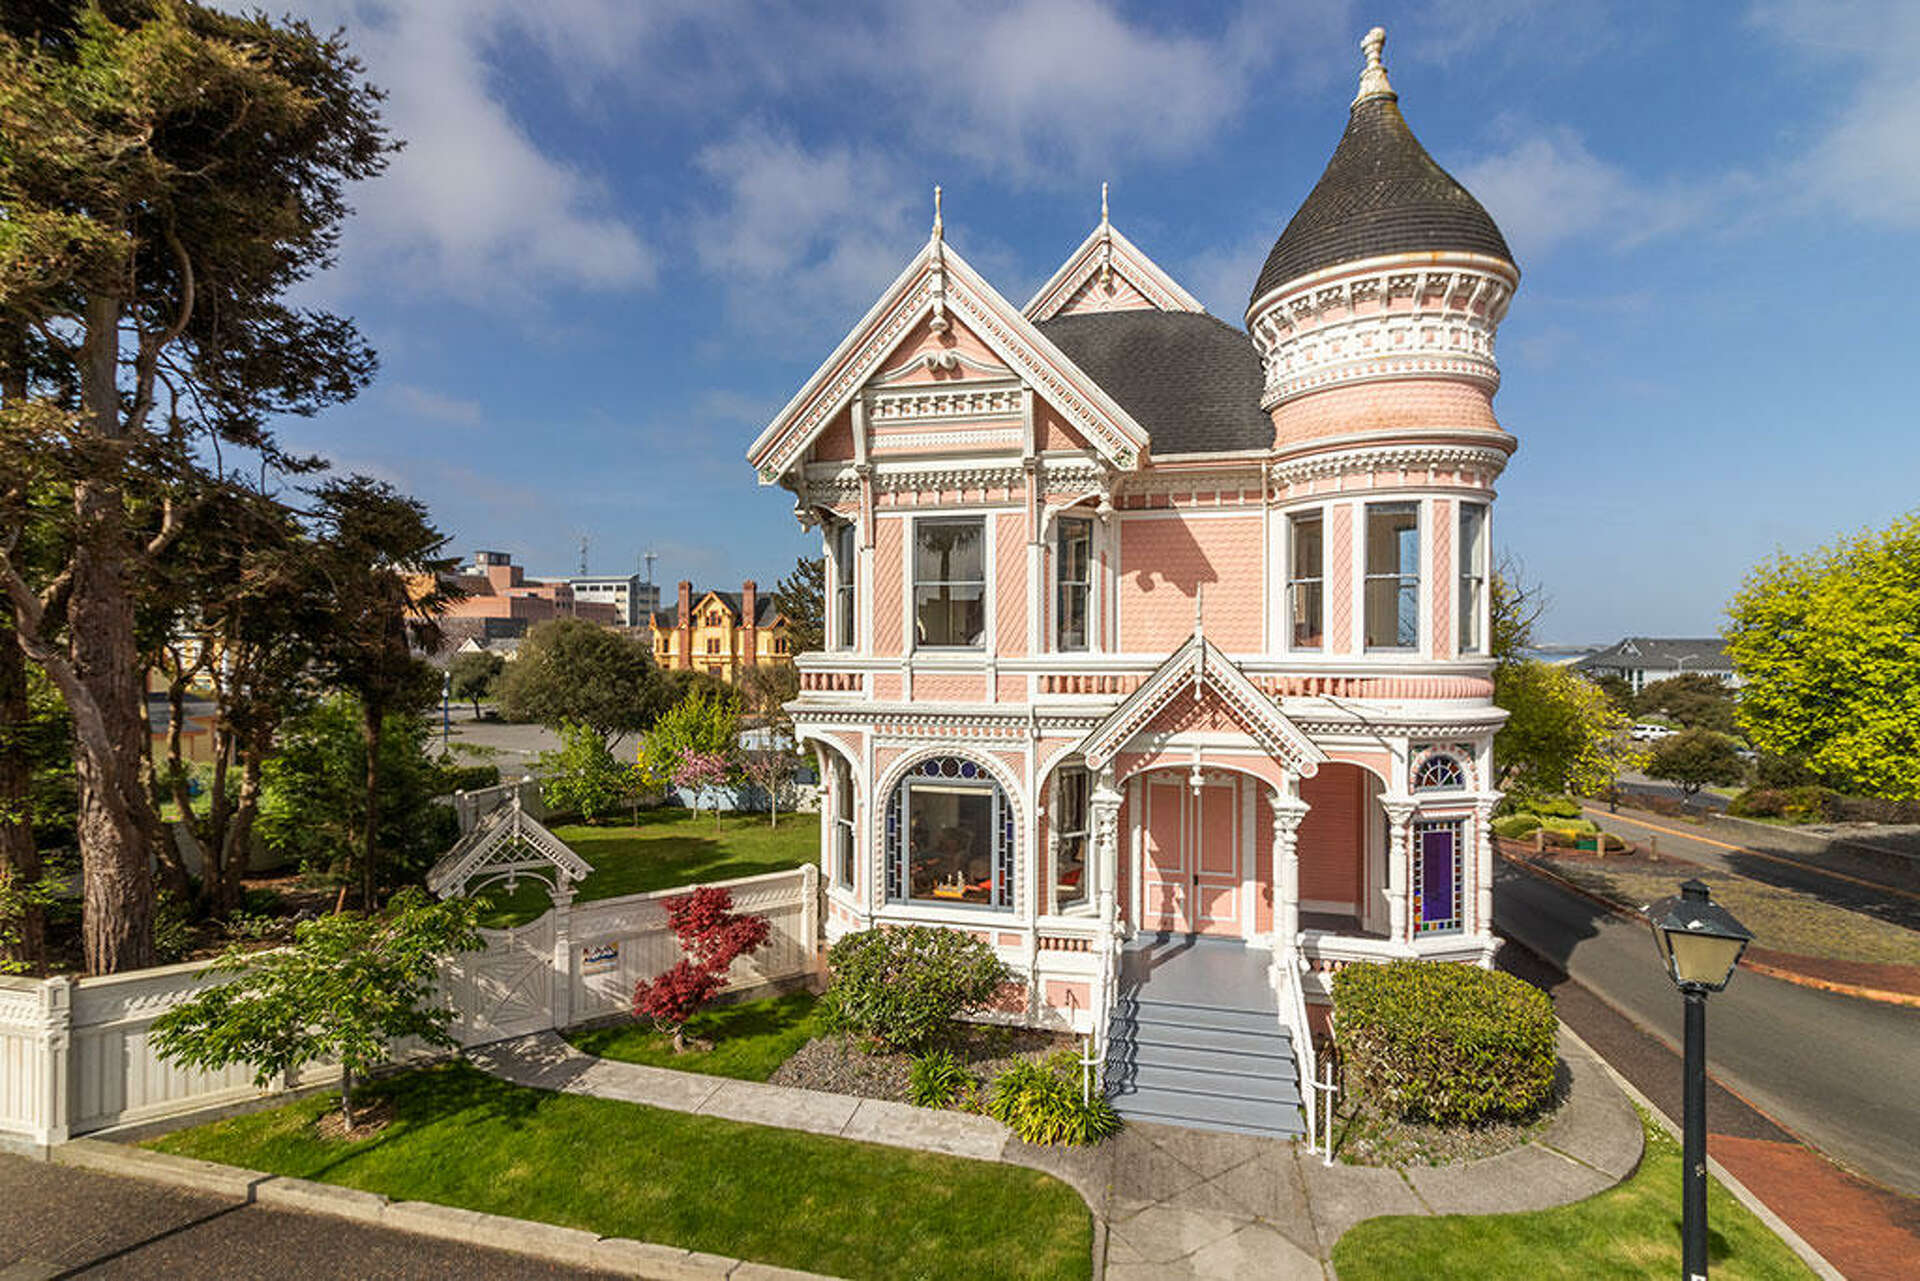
pixel 839 1066
pixel 1367 1137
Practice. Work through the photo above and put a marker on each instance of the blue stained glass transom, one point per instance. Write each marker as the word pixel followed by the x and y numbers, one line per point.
pixel 1439 771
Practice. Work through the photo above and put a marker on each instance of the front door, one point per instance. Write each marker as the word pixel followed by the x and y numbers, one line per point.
pixel 1191 874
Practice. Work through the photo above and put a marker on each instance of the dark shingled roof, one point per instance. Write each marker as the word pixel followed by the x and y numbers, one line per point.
pixel 1381 194
pixel 1193 382
pixel 763 608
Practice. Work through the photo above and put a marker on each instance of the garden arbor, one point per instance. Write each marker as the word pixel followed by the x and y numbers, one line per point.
pixel 504 846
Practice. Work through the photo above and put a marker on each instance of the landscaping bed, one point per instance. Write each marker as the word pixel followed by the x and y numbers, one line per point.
pixel 1629 1231
pixel 1364 1134
pixel 839 1065
pixel 748 1041
pixel 458 1137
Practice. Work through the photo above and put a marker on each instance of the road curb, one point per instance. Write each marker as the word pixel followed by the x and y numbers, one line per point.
pixel 547 1241
pixel 1797 978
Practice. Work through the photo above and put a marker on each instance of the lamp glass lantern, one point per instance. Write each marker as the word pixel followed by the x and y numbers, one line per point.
pixel 1700 942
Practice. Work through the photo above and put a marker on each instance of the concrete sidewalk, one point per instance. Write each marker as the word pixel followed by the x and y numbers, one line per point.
pixel 1167 1202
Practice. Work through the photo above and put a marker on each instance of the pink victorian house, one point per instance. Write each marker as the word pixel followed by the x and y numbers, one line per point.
pixel 1157 649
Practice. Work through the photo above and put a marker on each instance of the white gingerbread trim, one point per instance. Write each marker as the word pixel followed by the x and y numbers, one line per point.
pixel 505 845
pixel 1105 249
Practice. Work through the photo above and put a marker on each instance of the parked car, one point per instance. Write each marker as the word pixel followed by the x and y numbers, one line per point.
pixel 1647 732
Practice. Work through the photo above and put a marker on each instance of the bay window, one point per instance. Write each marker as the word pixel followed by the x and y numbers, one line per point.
pixel 949 836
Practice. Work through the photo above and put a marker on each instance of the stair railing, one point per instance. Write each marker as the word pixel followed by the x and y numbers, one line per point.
pixel 1292 964
pixel 1106 990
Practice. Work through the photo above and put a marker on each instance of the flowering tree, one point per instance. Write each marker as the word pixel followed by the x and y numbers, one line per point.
pixel 713 936
pixel 697 771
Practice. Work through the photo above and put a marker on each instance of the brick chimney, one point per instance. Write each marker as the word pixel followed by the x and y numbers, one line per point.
pixel 750 609
pixel 684 621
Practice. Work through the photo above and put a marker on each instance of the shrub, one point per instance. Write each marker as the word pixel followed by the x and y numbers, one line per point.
pixel 172 929
pixel 1447 1043
pixel 1563 832
pixel 1516 826
pixel 471 778
pixel 936 1080
pixel 1554 807
pixel 1795 804
pixel 1041 1103
pixel 713 936
pixel 900 987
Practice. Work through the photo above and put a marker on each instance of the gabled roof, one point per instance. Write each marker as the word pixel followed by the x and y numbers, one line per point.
pixel 1660 653
pixel 1196 666
pixel 1194 382
pixel 1106 250
pixel 938 283
pixel 764 611
pixel 506 844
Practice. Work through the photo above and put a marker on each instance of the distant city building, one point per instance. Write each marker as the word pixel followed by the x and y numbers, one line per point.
pixel 500 601
pixel 719 633
pixel 633 598
pixel 1642 660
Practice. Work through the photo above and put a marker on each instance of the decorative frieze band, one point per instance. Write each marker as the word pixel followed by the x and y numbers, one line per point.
pixel 1489 460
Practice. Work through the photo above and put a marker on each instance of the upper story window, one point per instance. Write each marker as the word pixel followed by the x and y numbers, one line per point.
pixel 844 630
pixel 1306 580
pixel 950 583
pixel 1439 772
pixel 1473 578
pixel 713 644
pixel 715 618
pixel 779 644
pixel 1393 576
pixel 1073 550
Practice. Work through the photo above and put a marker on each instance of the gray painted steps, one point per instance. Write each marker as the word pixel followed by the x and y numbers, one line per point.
pixel 1226 1065
pixel 1204 1112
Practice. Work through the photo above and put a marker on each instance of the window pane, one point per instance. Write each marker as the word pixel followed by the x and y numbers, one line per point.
pixel 950 844
pixel 950 614
pixel 1308 602
pixel 1393 539
pixel 1307 565
pixel 1473 577
pixel 1070 855
pixel 1436 877
pixel 1073 616
pixel 949 551
pixel 1392 591
pixel 1308 553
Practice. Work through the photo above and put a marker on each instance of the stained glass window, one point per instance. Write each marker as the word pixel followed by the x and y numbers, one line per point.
pixel 950 836
pixel 1439 771
pixel 1436 875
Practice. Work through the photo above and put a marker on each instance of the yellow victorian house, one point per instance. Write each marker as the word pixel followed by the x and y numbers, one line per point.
pixel 720 633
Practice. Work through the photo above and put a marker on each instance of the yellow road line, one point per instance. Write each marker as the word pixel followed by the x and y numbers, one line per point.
pixel 1743 849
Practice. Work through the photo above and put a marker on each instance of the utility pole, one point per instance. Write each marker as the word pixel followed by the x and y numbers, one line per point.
pixel 583 555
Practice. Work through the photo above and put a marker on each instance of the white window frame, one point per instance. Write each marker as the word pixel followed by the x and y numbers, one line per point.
pixel 1293 517
pixel 1418 576
pixel 911 549
pixel 843 846
pixel 1058 833
pixel 844 622
pixel 1474 581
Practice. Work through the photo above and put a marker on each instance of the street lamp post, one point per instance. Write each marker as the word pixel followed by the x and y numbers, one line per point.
pixel 1700 942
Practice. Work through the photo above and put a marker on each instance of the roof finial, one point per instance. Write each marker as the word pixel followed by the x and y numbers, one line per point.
pixel 1103 204
pixel 937 226
pixel 1373 79
pixel 1106 242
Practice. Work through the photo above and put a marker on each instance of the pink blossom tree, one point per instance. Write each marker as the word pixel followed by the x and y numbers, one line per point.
pixel 697 771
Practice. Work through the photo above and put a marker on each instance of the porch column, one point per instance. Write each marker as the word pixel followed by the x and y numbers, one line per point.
pixel 1288 813
pixel 1399 867
pixel 1103 813
pixel 1483 866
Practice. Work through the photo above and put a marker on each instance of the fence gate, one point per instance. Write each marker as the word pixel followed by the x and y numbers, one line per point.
pixel 507 989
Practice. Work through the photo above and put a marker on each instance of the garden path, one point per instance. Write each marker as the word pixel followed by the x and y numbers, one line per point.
pixel 1171 1202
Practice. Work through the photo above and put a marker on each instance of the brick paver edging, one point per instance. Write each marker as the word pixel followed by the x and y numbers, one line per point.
pixel 618 1255
pixel 1785 975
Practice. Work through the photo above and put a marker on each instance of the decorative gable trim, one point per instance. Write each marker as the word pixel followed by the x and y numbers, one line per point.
pixel 1105 251
pixel 503 846
pixel 1199 666
pixel 939 283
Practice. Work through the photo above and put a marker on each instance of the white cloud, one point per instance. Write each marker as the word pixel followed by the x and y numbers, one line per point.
pixel 1863 157
pixel 473 206
pixel 1223 278
pixel 1547 188
pixel 432 404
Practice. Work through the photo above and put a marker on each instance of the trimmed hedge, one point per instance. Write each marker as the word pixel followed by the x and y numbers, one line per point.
pixel 1516 826
pixel 901 986
pixel 1453 1044
pixel 1795 804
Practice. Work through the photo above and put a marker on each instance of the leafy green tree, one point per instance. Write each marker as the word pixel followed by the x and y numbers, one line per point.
pixel 1561 735
pixel 170 171
pixel 571 671
pixel 1694 699
pixel 706 722
pixel 1828 648
pixel 1619 691
pixel 347 988
pixel 314 791
pixel 801 597
pixel 581 776
pixel 1696 758
pixel 475 676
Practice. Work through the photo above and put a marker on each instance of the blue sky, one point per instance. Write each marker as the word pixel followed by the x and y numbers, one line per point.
pixel 623 234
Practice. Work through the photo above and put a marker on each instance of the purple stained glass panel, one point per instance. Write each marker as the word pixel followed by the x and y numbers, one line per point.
pixel 1439 857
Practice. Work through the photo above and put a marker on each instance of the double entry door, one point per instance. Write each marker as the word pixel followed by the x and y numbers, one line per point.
pixel 1194 858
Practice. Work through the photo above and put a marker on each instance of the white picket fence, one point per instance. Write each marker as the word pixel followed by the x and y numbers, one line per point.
pixel 74 1056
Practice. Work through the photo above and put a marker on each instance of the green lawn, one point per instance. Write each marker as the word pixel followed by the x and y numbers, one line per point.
pixel 784 1197
pixel 668 848
pixel 1632 1230
pixel 750 1039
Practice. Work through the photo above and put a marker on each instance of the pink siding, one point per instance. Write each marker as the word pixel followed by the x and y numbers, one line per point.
pixel 1060 995
pixel 923 341
pixel 1332 843
pixel 949 687
pixel 1446 631
pixel 1010 582
pixel 1011 689
pixel 888 636
pixel 1383 406
pixel 1164 560
pixel 886 686
pixel 1051 431
pixel 1265 874
pixel 1339 581
pixel 836 442
pixel 1117 294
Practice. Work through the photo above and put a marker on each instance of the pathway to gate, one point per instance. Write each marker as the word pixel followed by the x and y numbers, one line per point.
pixel 1169 1202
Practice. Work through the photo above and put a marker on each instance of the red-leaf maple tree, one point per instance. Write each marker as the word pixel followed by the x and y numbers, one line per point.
pixel 713 936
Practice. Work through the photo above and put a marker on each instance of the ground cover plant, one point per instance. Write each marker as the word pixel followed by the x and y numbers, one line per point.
pixel 1629 1231
pixel 1043 1103
pixel 748 1041
pixel 666 849
pixel 784 1197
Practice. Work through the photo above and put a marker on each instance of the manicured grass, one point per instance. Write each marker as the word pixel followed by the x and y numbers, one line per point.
pixel 669 848
pixel 785 1197
pixel 1632 1230
pixel 749 1040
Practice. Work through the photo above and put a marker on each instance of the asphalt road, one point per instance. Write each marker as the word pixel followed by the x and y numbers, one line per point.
pixel 1836 1071
pixel 59 1222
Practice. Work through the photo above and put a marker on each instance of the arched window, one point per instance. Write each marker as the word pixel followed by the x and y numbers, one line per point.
pixel 949 836
pixel 1437 772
